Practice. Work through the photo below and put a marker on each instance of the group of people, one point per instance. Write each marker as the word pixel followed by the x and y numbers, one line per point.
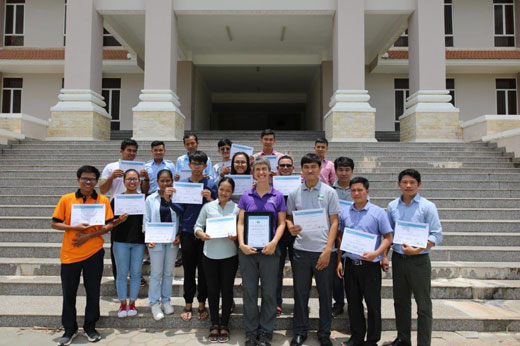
pixel 210 265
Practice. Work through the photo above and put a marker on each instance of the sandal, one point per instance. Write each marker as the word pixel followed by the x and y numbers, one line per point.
pixel 223 337
pixel 278 311
pixel 214 337
pixel 187 314
pixel 202 313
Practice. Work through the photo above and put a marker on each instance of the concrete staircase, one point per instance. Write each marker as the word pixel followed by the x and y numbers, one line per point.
pixel 476 271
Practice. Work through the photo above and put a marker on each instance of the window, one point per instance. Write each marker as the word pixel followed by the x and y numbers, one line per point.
pixel 506 96
pixel 65 24
pixel 402 41
pixel 109 40
pixel 14 17
pixel 111 91
pixel 401 93
pixel 450 86
pixel 504 14
pixel 448 23
pixel 12 95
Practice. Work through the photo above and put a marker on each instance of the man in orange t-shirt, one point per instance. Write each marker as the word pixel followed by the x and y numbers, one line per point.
pixel 81 251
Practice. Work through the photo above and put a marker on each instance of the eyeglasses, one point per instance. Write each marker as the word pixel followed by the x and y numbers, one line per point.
pixel 132 180
pixel 285 166
pixel 87 180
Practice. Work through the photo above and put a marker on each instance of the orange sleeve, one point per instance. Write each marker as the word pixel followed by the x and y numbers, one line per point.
pixel 109 214
pixel 60 210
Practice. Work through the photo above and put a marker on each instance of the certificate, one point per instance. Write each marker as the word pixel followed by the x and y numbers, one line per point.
pixel 286 184
pixel 411 233
pixel 92 214
pixel 226 164
pixel 160 232
pixel 311 220
pixel 132 204
pixel 125 165
pixel 184 173
pixel 221 227
pixel 273 160
pixel 358 242
pixel 258 229
pixel 235 148
pixel 345 204
pixel 242 183
pixel 188 193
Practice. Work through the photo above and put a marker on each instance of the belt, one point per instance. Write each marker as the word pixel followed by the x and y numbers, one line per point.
pixel 357 262
pixel 400 255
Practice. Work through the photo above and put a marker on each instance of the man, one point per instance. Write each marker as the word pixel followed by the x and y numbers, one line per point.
pixel 81 251
pixel 411 267
pixel 314 251
pixel 191 246
pixel 221 169
pixel 362 274
pixel 191 144
pixel 268 140
pixel 158 163
pixel 344 168
pixel 285 168
pixel 327 175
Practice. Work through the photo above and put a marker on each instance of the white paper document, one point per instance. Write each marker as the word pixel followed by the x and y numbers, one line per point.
pixel 345 204
pixel 126 165
pixel 236 148
pixel 160 232
pixel 286 184
pixel 184 173
pixel 242 183
pixel 226 163
pixel 358 242
pixel 188 193
pixel 221 227
pixel 93 214
pixel 258 231
pixel 311 220
pixel 132 204
pixel 411 233
pixel 273 161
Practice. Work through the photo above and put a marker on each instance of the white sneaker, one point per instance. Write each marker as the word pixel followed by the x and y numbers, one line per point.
pixel 122 313
pixel 157 312
pixel 167 308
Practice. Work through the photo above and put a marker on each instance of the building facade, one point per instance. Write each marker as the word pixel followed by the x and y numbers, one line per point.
pixel 427 68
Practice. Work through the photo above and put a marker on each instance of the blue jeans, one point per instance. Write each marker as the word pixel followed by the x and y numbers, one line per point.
pixel 129 259
pixel 162 259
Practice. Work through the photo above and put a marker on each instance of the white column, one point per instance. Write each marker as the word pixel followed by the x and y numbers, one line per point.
pixel 79 114
pixel 158 115
pixel 351 118
pixel 429 115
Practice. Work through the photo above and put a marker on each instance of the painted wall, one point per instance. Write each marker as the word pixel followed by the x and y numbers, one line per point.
pixel 185 89
pixel 201 107
pixel 44 23
pixel 313 107
pixel 473 24
pixel 131 86
pixel 381 90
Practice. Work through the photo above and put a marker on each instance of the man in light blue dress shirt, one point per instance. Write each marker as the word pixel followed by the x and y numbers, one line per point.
pixel 411 267
pixel 158 163
pixel 191 144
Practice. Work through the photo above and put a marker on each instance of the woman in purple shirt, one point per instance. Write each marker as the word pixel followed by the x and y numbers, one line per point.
pixel 262 264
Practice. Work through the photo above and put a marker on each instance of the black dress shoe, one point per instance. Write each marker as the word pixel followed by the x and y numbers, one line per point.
pixel 397 342
pixel 325 342
pixel 298 340
pixel 337 310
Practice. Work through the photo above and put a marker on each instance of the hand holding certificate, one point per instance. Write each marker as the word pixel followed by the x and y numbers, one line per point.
pixel 188 193
pixel 160 232
pixel 258 229
pixel 286 184
pixel 125 165
pixel 311 220
pixel 358 242
pixel 131 204
pixel 221 227
pixel 412 233
pixel 242 183
pixel 91 214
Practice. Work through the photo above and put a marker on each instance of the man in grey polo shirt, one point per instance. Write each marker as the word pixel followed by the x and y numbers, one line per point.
pixel 314 252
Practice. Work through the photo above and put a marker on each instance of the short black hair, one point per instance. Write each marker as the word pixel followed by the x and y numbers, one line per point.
pixel 198 156
pixel 157 143
pixel 359 180
pixel 343 161
pixel 227 180
pixel 248 163
pixel 87 169
pixel 285 157
pixel 162 171
pixel 412 173
pixel 321 140
pixel 127 142
pixel 129 171
pixel 310 158
pixel 188 135
pixel 224 141
pixel 267 132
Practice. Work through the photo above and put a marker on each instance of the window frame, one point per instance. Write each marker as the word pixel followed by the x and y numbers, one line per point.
pixel 504 26
pixel 447 36
pixel 453 96
pixel 406 94
pixel 15 5
pixel 108 103
pixel 11 101
pixel 506 94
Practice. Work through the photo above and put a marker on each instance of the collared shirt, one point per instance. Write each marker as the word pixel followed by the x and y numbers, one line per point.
pixel 184 160
pixel 153 209
pixel 327 172
pixel 274 152
pixel 62 213
pixel 118 185
pixel 370 219
pixel 272 202
pixel 153 168
pixel 218 248
pixel 419 210
pixel 319 196
pixel 217 169
pixel 343 193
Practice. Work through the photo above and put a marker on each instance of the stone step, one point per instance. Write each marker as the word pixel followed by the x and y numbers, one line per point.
pixel 441 288
pixel 449 314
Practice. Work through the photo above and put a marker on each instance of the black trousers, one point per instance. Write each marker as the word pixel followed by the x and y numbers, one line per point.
pixel 220 277
pixel 191 248
pixel 363 282
pixel 92 269
pixel 112 258
pixel 286 248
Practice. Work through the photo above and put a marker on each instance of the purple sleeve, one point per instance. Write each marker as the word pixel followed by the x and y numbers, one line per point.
pixel 242 202
pixel 281 203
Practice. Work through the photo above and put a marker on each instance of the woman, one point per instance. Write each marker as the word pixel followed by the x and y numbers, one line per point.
pixel 128 249
pixel 220 260
pixel 240 166
pixel 260 264
pixel 162 256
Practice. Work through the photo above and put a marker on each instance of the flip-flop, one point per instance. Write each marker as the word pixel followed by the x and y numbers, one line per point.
pixel 202 314
pixel 187 314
